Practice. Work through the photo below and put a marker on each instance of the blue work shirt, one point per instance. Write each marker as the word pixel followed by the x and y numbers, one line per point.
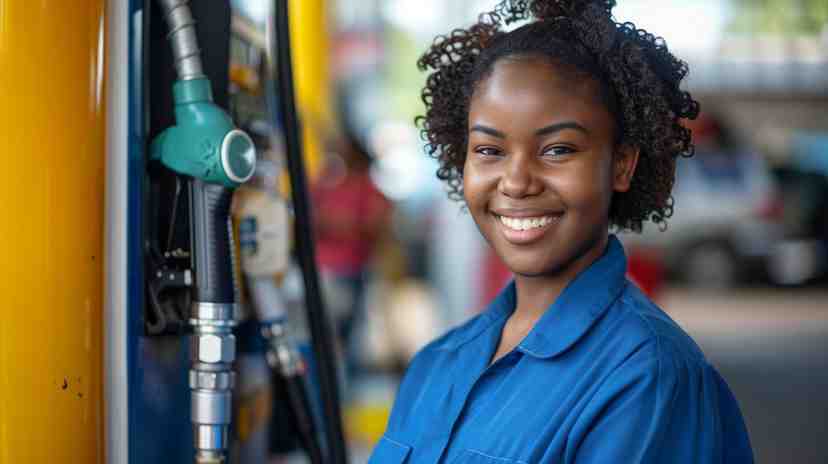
pixel 605 376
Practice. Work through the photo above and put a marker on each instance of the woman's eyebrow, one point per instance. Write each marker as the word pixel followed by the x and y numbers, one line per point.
pixel 551 129
pixel 487 130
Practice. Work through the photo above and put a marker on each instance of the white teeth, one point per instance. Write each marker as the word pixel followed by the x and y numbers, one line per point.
pixel 526 223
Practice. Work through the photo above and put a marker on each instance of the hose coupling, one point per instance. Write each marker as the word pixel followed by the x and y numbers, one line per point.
pixel 212 377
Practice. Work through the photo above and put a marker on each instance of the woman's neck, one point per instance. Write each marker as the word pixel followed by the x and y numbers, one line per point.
pixel 536 293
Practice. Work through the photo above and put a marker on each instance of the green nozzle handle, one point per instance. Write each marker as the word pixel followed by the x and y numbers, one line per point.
pixel 204 143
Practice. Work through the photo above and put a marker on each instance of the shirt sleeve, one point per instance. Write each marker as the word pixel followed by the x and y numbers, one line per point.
pixel 661 406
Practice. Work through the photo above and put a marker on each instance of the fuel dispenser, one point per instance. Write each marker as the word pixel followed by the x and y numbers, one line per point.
pixel 193 170
pixel 119 344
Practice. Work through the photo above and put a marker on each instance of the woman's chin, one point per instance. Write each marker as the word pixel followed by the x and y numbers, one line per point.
pixel 532 268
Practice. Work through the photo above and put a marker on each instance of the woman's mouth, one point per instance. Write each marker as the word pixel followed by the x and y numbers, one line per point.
pixel 524 230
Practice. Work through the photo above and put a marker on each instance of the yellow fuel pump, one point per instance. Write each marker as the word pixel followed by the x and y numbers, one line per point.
pixel 52 60
pixel 72 335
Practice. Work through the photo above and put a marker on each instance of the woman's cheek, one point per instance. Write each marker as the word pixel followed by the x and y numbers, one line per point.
pixel 586 188
pixel 476 180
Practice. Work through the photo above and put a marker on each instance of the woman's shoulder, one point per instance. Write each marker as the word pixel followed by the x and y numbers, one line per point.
pixel 642 348
pixel 641 324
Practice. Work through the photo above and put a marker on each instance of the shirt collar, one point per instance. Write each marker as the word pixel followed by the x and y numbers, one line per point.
pixel 581 303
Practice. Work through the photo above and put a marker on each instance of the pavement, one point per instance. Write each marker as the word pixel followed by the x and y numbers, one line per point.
pixel 771 346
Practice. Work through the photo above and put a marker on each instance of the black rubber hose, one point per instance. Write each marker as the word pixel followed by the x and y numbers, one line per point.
pixel 212 253
pixel 300 411
pixel 320 329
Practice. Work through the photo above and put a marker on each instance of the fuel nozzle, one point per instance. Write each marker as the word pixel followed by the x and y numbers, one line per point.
pixel 214 157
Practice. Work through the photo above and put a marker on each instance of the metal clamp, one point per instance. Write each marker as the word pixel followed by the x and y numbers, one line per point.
pixel 281 354
pixel 213 314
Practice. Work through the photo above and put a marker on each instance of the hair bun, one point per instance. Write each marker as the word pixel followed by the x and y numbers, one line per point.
pixel 573 9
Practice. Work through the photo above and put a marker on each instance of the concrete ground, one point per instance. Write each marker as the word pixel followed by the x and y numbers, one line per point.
pixel 771 345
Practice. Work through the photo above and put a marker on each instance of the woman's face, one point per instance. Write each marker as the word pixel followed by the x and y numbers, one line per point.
pixel 541 165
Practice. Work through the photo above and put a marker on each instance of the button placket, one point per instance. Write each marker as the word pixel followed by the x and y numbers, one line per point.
pixel 508 360
pixel 464 387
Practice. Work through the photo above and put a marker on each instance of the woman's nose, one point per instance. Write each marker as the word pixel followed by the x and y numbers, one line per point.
pixel 519 178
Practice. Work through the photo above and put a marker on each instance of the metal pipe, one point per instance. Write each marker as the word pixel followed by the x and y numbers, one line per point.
pixel 182 37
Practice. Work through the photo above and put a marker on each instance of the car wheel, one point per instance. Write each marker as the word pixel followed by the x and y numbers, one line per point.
pixel 711 266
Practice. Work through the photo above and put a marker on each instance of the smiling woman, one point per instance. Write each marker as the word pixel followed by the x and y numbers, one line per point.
pixel 552 133
pixel 541 148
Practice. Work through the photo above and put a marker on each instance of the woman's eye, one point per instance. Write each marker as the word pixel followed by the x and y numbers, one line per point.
pixel 488 151
pixel 558 151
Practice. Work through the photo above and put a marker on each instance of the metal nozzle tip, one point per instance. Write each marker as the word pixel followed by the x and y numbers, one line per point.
pixel 209 457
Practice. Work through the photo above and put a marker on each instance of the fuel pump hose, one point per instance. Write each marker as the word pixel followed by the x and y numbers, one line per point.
pixel 320 329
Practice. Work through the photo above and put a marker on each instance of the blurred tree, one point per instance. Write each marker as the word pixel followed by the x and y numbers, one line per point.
pixel 780 17
pixel 401 76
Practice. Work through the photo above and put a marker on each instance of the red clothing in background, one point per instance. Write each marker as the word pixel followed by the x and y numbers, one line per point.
pixel 349 216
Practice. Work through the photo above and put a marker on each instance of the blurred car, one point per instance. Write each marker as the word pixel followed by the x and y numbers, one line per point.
pixel 727 219
pixel 803 256
pixel 726 223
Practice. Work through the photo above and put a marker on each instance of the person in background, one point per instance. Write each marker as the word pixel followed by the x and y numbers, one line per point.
pixel 551 133
pixel 350 216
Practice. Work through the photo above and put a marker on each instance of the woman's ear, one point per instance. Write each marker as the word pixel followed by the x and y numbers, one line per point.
pixel 623 169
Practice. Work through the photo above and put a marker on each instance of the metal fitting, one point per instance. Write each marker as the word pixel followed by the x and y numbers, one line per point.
pixel 207 457
pixel 210 407
pixel 214 348
pixel 281 354
pixel 215 312
pixel 211 377
pixel 208 380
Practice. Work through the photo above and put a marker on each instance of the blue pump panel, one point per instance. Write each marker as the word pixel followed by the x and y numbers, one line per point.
pixel 159 407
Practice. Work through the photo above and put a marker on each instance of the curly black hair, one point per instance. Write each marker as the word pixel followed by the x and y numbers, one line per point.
pixel 638 75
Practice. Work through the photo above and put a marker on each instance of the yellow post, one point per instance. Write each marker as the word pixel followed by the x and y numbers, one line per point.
pixel 311 68
pixel 52 192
